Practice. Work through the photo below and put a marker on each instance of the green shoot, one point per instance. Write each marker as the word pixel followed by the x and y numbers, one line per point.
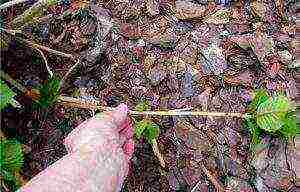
pixel 142 106
pixel 11 160
pixel 272 115
pixel 147 129
pixel 6 95
pixel 49 92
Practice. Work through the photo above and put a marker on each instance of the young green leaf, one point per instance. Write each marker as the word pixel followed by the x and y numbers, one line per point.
pixel 290 128
pixel 260 97
pixel 140 127
pixel 11 156
pixel 142 106
pixel 274 115
pixel 6 95
pixel 254 130
pixel 49 92
pixel 151 132
pixel 271 113
pixel 147 129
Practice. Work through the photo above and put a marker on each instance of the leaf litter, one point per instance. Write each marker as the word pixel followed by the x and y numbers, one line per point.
pixel 156 55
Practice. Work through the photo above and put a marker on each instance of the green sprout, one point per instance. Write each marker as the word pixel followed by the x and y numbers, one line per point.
pixel 49 92
pixel 6 95
pixel 145 127
pixel 142 106
pixel 11 160
pixel 272 115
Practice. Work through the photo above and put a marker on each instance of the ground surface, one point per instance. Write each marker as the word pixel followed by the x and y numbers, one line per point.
pixel 175 55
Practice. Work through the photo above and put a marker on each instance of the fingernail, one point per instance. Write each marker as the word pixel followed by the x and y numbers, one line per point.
pixel 128 148
pixel 122 108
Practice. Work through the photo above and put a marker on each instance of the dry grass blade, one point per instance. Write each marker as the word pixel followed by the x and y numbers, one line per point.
pixel 68 73
pixel 11 3
pixel 157 153
pixel 46 62
pixel 188 113
pixel 212 178
pixel 34 45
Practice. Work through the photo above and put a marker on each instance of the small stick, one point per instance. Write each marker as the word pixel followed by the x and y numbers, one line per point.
pixel 68 73
pixel 74 102
pixel 46 62
pixel 34 45
pixel 37 46
pixel 214 181
pixel 80 103
pixel 11 3
pixel 157 153
pixel 195 187
pixel 187 113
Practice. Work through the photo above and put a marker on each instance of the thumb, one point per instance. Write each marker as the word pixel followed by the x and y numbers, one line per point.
pixel 97 129
pixel 114 118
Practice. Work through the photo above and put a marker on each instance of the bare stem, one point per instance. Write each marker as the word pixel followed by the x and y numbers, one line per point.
pixel 157 153
pixel 11 3
pixel 46 62
pixel 212 178
pixel 195 187
pixel 74 102
pixel 187 113
pixel 80 103
pixel 68 73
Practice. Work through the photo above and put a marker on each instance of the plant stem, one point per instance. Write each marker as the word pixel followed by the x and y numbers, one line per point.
pixel 212 178
pixel 188 113
pixel 68 73
pixel 157 153
pixel 75 102
pixel 46 62
pixel 11 3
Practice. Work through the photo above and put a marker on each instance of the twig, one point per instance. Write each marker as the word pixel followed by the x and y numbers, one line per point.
pixel 214 181
pixel 74 102
pixel 157 153
pixel 37 46
pixel 188 113
pixel 11 31
pixel 34 45
pixel 68 73
pixel 11 3
pixel 46 62
pixel 195 187
pixel 80 103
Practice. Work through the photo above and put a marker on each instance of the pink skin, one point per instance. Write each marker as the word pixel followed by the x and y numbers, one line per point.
pixel 99 151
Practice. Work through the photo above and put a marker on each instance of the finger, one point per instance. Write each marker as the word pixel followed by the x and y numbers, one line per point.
pixel 126 129
pixel 115 117
pixel 128 149
pixel 104 126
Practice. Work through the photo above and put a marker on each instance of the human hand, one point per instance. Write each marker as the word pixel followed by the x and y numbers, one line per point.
pixel 99 151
